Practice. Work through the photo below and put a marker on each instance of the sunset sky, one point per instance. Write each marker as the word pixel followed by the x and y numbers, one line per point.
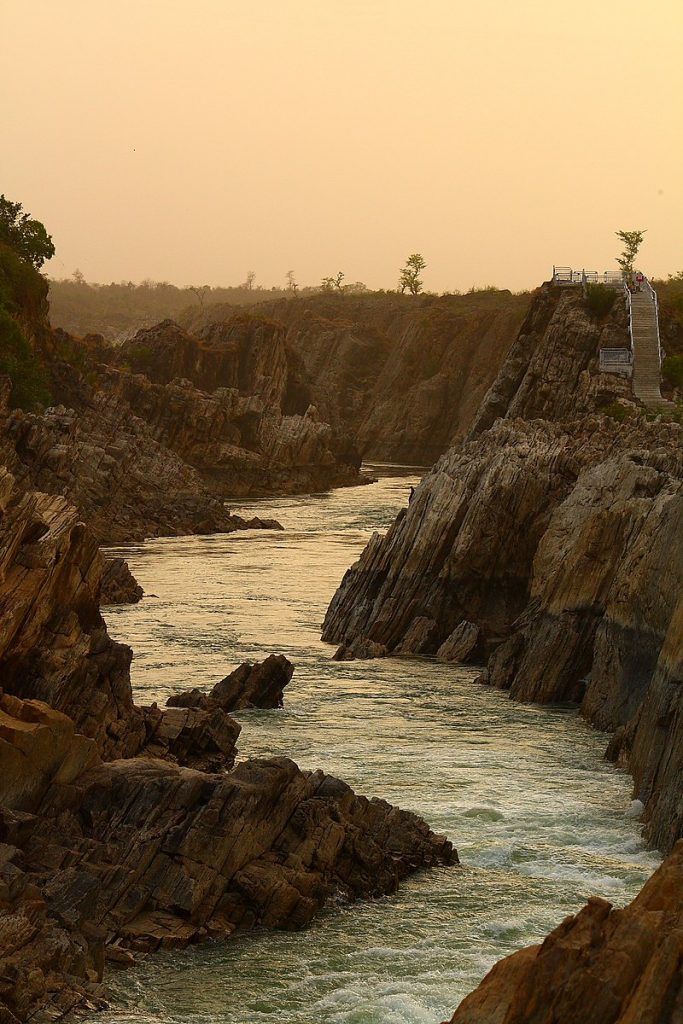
pixel 195 141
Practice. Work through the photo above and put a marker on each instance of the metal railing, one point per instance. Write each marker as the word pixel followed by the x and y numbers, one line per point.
pixel 616 360
pixel 627 298
pixel 655 303
pixel 568 276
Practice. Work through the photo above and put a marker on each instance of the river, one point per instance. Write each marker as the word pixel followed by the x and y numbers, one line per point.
pixel 540 820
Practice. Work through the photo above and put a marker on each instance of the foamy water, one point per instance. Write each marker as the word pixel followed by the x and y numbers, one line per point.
pixel 540 820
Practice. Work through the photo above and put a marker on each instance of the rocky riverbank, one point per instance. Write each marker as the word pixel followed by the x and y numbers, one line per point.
pixel 150 439
pixel 112 839
pixel 549 549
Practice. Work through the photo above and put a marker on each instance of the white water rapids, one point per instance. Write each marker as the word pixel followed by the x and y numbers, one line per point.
pixel 540 820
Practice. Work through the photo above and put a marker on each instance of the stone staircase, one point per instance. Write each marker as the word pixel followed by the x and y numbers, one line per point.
pixel 646 365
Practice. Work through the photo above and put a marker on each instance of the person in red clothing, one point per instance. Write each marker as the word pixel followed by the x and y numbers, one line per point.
pixel 639 281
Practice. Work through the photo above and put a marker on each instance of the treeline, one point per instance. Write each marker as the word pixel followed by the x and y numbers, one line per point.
pixel 118 310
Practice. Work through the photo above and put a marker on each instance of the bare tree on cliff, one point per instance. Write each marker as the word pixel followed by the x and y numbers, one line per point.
pixel 632 242
pixel 410 274
pixel 291 283
pixel 249 283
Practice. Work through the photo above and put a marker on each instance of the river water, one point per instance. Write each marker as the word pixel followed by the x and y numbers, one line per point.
pixel 540 820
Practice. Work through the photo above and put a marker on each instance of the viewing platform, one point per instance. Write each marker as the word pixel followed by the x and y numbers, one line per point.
pixel 565 277
pixel 641 358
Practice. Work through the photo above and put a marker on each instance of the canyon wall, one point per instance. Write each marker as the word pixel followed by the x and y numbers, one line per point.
pixel 547 546
pixel 404 375
pixel 151 438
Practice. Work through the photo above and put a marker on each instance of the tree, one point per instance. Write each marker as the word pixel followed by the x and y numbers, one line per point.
pixel 329 284
pixel 410 274
pixel 200 291
pixel 249 283
pixel 78 276
pixel 26 236
pixel 632 242
pixel 291 283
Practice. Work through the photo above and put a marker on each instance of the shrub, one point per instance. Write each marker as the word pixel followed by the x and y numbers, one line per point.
pixel 672 370
pixel 18 361
pixel 616 411
pixel 140 357
pixel 599 299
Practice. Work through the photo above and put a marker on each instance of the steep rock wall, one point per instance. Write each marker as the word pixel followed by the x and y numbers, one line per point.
pixel 403 375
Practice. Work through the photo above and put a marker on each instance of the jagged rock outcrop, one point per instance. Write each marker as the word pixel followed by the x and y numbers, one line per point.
pixel 600 966
pixel 54 644
pixel 549 549
pixel 403 374
pixel 222 400
pixel 105 461
pixel 119 586
pixel 550 371
pixel 259 685
pixel 111 839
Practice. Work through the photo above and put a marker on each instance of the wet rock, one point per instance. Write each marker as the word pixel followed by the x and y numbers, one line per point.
pixel 254 686
pixel 119 586
pixel 362 649
pixel 462 644
pixel 600 966
pixel 259 685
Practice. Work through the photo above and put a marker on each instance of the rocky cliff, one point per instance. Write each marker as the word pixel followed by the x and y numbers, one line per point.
pixel 402 374
pixel 112 839
pixel 550 550
pixel 224 401
pixel 601 966
pixel 150 439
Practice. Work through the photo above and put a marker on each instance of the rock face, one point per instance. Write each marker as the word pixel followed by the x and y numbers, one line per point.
pixel 119 586
pixel 106 462
pixel 549 549
pixel 120 828
pixel 249 686
pixel 149 439
pixel 403 375
pixel 602 966
pixel 224 402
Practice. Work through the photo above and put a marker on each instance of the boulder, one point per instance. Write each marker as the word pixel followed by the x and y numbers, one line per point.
pixel 250 685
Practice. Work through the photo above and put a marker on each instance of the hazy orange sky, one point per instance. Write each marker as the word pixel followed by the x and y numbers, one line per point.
pixel 195 140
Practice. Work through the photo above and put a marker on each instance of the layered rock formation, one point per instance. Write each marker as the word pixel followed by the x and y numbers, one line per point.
pixel 151 438
pixel 224 401
pixel 551 549
pixel 106 462
pixel 403 374
pixel 111 839
pixel 601 966
pixel 248 686
pixel 119 586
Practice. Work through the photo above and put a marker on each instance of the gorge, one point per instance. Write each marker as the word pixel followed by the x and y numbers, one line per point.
pixel 540 556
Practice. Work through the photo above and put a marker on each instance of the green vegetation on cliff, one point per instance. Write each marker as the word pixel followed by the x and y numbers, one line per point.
pixel 22 295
